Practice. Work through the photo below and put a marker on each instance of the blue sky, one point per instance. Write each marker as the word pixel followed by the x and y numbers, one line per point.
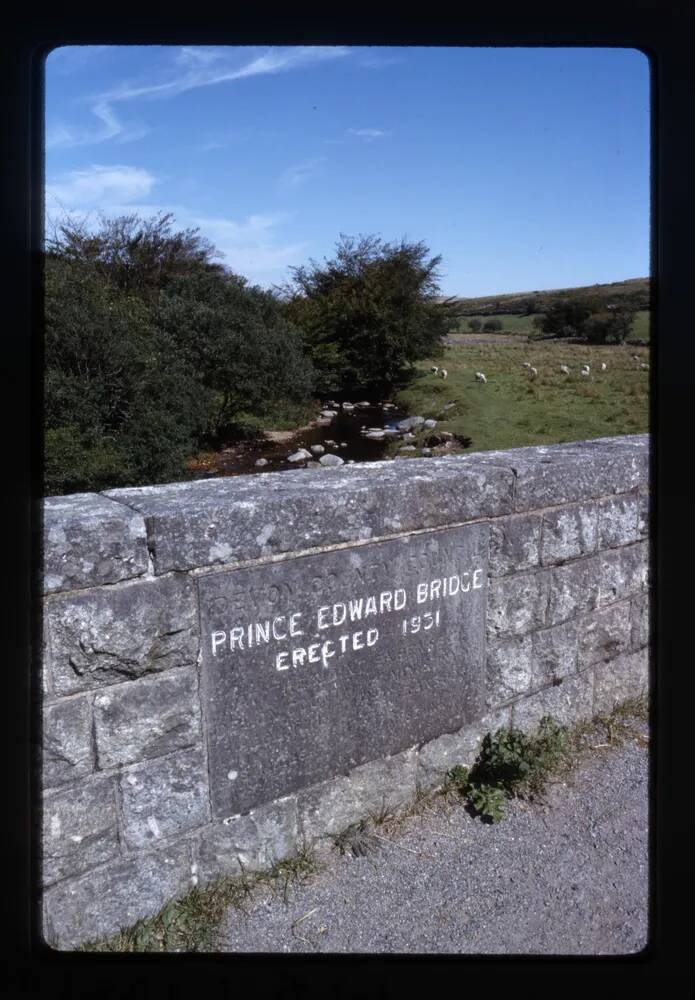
pixel 523 168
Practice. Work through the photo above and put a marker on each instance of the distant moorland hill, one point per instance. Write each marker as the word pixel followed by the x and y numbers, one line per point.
pixel 633 293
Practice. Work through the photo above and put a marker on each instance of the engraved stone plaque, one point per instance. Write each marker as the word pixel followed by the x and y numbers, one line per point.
pixel 315 664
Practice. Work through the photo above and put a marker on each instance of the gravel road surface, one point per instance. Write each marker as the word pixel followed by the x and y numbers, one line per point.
pixel 568 877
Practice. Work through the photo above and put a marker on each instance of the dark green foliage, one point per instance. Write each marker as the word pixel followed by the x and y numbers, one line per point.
pixel 564 318
pixel 529 306
pixel 244 350
pixel 510 763
pixel 588 319
pixel 121 407
pixel 133 253
pixel 474 325
pixel 370 313
pixel 610 326
pixel 152 351
pixel 492 325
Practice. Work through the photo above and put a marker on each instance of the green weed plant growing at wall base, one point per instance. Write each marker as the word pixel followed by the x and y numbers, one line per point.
pixel 512 764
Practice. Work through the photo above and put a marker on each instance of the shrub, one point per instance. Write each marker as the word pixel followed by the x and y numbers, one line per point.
pixel 492 325
pixel 586 319
pixel 150 354
pixel 609 327
pixel 474 325
pixel 510 763
pixel 370 313
pixel 247 354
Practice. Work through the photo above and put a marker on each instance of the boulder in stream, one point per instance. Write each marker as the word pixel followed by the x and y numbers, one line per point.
pixel 409 423
pixel 299 456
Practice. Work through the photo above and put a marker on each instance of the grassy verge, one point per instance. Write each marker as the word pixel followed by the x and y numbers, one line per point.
pixel 192 922
pixel 513 409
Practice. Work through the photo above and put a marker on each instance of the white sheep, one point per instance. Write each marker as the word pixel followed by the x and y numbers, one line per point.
pixel 585 372
pixel 533 371
pixel 525 364
pixel 585 368
pixel 603 366
pixel 443 372
pixel 480 377
pixel 564 369
pixel 644 367
pixel 434 370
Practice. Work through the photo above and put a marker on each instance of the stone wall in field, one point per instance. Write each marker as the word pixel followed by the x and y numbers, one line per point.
pixel 234 668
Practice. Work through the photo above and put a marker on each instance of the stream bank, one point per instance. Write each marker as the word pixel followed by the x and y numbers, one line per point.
pixel 342 432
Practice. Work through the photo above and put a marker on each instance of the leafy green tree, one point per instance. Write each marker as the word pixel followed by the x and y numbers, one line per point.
pixel 249 357
pixel 134 253
pixel 609 326
pixel 370 313
pixel 587 319
pixel 492 325
pixel 564 318
pixel 474 325
pixel 152 350
pixel 120 406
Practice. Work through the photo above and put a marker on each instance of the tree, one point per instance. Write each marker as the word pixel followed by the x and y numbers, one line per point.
pixel 610 327
pixel 586 319
pixel 121 407
pixel 370 313
pixel 152 350
pixel 564 318
pixel 474 325
pixel 248 355
pixel 133 252
pixel 530 306
pixel 492 325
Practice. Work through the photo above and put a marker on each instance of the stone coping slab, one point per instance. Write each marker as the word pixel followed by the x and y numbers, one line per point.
pixel 89 540
pixel 96 539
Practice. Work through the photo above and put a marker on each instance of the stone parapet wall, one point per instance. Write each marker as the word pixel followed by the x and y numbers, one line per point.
pixel 129 765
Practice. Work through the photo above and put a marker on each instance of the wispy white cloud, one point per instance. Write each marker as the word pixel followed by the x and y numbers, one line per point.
pixel 300 172
pixel 64 136
pixel 199 55
pixel 368 134
pixel 252 246
pixel 365 134
pixel 222 140
pixel 100 187
pixel 193 67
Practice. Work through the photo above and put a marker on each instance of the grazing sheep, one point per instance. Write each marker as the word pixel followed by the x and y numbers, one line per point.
pixel 533 371
pixel 585 372
pixel 443 372
pixel 434 370
pixel 603 366
pixel 525 364
pixel 585 368
pixel 479 377
pixel 635 357
pixel 564 369
pixel 644 367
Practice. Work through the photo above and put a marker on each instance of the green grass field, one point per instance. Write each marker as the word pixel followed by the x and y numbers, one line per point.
pixel 520 324
pixel 512 409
